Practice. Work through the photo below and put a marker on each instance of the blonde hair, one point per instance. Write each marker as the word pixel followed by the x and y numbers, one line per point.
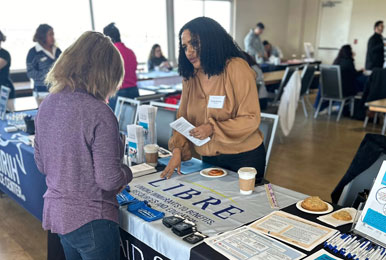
pixel 91 63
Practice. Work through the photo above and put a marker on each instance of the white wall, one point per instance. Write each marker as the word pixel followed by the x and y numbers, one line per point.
pixel 364 15
pixel 273 13
pixel 288 22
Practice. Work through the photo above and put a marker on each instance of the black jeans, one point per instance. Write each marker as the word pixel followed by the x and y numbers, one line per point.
pixel 254 158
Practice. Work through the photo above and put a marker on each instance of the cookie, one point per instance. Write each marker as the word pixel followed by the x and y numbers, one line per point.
pixel 215 172
pixel 342 215
pixel 314 203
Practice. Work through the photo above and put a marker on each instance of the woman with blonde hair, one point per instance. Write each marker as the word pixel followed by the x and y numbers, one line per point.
pixel 79 149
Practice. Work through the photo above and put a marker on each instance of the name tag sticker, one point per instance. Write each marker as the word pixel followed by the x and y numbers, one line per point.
pixel 216 101
pixel 43 59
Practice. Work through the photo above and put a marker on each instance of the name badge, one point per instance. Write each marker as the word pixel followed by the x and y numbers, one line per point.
pixel 43 59
pixel 216 102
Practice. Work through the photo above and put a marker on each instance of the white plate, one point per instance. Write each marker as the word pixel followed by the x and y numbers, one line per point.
pixel 205 173
pixel 299 206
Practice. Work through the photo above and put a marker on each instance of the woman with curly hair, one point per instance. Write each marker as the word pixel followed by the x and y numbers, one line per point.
pixel 220 98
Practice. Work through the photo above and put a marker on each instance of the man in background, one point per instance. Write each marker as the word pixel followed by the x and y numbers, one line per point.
pixel 253 44
pixel 375 48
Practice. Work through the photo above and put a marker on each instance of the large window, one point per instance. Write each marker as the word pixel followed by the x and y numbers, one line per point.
pixel 20 18
pixel 142 23
pixel 186 10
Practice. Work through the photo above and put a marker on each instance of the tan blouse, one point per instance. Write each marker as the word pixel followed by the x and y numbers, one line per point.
pixel 236 125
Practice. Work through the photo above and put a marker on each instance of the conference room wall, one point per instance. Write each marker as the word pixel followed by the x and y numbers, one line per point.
pixel 364 15
pixel 289 23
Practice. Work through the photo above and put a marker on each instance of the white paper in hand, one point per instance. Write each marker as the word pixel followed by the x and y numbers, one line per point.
pixel 182 126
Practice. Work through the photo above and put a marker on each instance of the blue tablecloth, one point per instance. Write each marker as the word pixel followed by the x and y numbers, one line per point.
pixel 19 177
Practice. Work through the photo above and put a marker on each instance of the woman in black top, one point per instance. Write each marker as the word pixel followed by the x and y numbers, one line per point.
pixel 5 64
pixel 157 59
pixel 353 81
pixel 350 76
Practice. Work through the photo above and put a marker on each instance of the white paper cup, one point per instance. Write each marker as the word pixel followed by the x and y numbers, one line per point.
pixel 151 154
pixel 247 176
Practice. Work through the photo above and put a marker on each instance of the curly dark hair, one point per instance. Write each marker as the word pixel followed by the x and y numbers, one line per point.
pixel 213 44
pixel 41 34
pixel 344 53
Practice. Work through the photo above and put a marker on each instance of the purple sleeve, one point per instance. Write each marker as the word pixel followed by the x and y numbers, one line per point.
pixel 110 173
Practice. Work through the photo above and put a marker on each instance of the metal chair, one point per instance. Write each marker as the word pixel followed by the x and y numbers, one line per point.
pixel 268 126
pixel 307 78
pixel 331 89
pixel 166 113
pixel 126 111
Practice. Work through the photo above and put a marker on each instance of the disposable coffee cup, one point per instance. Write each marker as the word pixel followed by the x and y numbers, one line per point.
pixel 247 176
pixel 151 154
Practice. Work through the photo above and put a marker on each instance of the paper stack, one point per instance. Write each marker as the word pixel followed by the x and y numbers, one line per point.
pixel 146 119
pixel 142 169
pixel 136 142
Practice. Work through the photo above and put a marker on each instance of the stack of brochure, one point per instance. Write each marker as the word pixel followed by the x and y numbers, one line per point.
pixel 136 142
pixel 146 119
pixel 142 169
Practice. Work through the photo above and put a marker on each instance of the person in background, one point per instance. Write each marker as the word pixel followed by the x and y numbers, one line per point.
pixel 353 81
pixel 41 58
pixel 75 124
pixel 5 64
pixel 157 60
pixel 375 48
pixel 262 90
pixel 253 44
pixel 129 87
pixel 219 97
pixel 272 51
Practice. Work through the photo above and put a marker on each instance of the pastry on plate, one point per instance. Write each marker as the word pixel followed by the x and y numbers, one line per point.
pixel 314 203
pixel 342 215
pixel 215 172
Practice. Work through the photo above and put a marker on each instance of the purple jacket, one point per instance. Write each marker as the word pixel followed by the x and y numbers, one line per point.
pixel 78 148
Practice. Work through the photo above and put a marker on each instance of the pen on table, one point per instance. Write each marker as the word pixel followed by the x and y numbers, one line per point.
pixel 344 244
pixel 371 253
pixel 380 252
pixel 359 249
pixel 364 251
pixel 338 240
pixel 354 248
pixel 333 242
pixel 347 245
pixel 341 242
pixel 375 253
pixel 353 252
pixel 332 238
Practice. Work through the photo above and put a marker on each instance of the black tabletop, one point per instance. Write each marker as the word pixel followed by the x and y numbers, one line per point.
pixel 203 251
